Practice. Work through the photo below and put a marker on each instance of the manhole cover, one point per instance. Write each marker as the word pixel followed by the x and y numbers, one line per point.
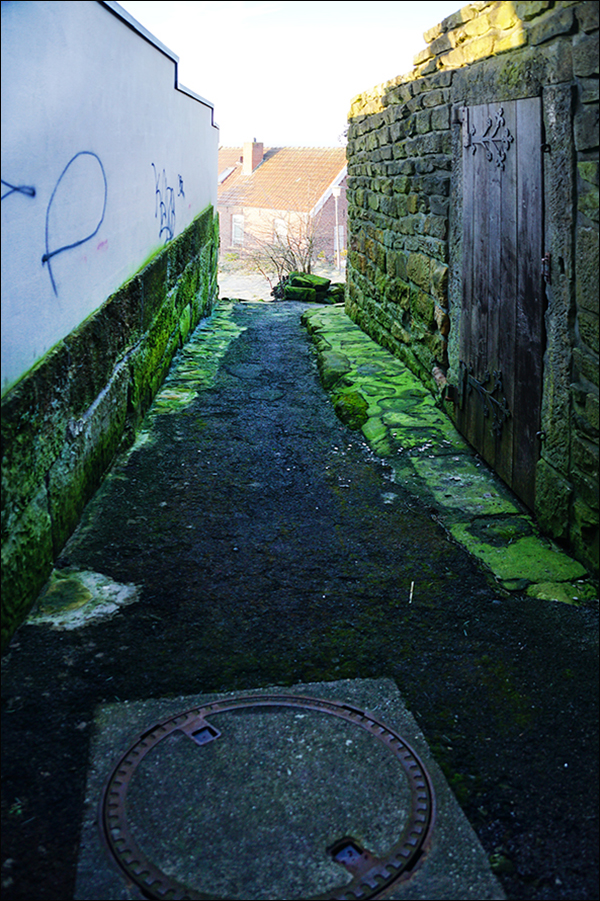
pixel 268 797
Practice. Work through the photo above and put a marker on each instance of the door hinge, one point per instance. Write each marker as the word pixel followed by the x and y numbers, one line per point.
pixel 546 268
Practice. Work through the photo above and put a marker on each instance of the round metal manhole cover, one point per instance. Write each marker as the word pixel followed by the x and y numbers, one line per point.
pixel 268 797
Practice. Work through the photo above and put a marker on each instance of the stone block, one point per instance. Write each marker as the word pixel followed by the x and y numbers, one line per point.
pixel 422 56
pixel 586 128
pixel 388 206
pixel 423 122
pixel 588 329
pixel 592 411
pixel 554 23
pixel 432 33
pixel 412 203
pixel 422 308
pixel 27 556
pixel 587 15
pixel 478 48
pixel 552 500
pixel 402 184
pixel 418 270
pixel 435 98
pixel 34 426
pixel 503 16
pixel 510 40
pixel 439 206
pixel 584 534
pixel 79 470
pixel 396 264
pixel 587 266
pixel 442 43
pixel 584 455
pixel 587 201
pixel 588 171
pixel 436 227
pixel 586 489
pixel 439 282
pixel 527 10
pixel 465 14
pixel 442 321
pixel 586 364
pixel 473 29
pixel 440 118
pixel 585 55
pixel 588 90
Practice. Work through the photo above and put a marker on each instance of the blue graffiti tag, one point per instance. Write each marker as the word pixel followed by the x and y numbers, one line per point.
pixel 164 209
pixel 52 253
pixel 18 189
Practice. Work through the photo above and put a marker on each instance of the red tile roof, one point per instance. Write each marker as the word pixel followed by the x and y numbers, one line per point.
pixel 289 178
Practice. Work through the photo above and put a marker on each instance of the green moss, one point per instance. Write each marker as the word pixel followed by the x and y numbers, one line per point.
pixel 351 408
pixel 529 558
pixel 63 594
pixel 64 421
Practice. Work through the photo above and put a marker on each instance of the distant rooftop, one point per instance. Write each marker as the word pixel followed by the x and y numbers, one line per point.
pixel 287 178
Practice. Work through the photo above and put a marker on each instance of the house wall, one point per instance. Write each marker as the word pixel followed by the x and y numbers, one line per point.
pixel 87 349
pixel 405 227
pixel 325 227
pixel 259 226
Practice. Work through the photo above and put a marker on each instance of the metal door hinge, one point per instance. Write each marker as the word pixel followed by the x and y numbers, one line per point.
pixel 546 268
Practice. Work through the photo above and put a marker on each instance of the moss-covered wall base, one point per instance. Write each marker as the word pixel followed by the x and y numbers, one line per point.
pixel 65 420
pixel 404 287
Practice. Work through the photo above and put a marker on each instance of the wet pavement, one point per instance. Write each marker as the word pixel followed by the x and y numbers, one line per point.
pixel 249 540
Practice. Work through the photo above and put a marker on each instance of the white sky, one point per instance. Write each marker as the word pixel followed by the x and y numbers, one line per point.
pixel 286 72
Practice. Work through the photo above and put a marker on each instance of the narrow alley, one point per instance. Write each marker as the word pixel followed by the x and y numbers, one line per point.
pixel 264 544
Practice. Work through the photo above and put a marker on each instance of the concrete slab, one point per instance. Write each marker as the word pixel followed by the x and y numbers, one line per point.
pixel 251 815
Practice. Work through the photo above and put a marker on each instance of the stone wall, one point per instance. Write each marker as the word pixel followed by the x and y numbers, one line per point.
pixel 64 421
pixel 404 221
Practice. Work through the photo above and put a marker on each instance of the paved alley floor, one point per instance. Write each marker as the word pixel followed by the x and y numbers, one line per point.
pixel 250 539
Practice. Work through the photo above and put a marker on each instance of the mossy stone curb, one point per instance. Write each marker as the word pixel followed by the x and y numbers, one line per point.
pixel 400 419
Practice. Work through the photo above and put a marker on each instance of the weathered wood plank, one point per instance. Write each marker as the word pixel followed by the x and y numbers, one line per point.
pixel 480 294
pixel 505 336
pixel 469 207
pixel 530 299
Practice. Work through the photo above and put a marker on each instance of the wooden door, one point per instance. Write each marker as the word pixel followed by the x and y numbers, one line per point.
pixel 502 318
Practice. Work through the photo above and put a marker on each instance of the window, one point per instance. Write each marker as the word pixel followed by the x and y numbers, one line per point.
pixel 338 238
pixel 237 230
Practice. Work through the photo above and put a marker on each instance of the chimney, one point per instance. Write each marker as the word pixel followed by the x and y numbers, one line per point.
pixel 253 157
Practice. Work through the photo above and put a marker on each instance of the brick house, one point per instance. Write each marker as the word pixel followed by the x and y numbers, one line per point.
pixel 283 193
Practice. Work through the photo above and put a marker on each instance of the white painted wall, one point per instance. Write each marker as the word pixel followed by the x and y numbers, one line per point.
pixel 96 133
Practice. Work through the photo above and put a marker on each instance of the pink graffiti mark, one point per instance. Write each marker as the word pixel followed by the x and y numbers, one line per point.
pixel 103 245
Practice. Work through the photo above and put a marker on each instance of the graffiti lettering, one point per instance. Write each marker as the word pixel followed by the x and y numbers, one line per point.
pixel 18 189
pixel 164 209
pixel 180 192
pixel 87 178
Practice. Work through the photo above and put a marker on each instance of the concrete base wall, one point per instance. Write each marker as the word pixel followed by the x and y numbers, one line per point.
pixel 63 423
